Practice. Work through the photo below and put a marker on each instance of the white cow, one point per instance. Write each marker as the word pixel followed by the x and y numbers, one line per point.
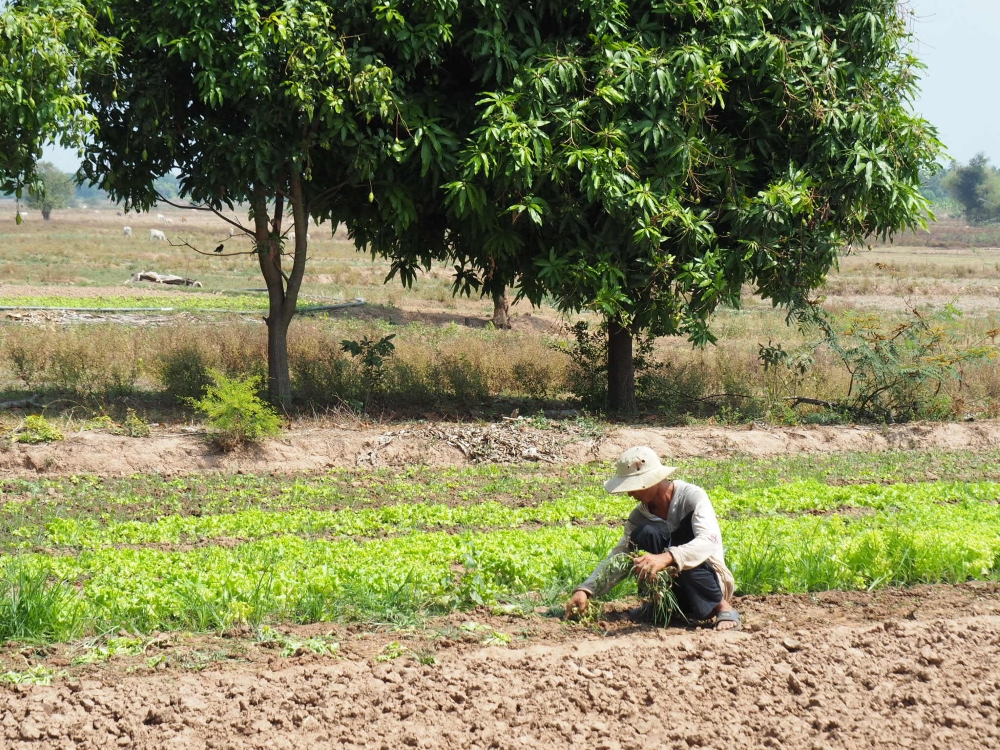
pixel 168 221
pixel 161 218
pixel 156 234
pixel 126 231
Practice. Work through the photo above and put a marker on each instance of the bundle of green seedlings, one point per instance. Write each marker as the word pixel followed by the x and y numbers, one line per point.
pixel 659 591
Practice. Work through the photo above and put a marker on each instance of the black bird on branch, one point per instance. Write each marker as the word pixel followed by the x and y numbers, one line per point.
pixel 220 248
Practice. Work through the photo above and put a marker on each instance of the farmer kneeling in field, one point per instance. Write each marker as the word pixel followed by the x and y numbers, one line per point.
pixel 674 526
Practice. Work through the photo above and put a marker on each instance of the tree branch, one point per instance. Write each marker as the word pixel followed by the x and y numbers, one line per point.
pixel 203 207
pixel 185 243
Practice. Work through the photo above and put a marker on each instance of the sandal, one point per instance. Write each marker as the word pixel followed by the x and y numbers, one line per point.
pixel 729 615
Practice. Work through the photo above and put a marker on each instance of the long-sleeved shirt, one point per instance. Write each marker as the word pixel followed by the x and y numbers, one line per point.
pixel 688 500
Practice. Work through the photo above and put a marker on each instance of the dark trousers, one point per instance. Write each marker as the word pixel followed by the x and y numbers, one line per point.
pixel 697 590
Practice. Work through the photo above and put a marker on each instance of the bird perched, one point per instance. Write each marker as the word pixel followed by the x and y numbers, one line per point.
pixel 220 248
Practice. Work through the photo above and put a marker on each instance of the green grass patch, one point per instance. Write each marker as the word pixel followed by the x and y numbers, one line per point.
pixel 190 300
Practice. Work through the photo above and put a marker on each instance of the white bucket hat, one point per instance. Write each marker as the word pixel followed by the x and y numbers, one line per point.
pixel 639 468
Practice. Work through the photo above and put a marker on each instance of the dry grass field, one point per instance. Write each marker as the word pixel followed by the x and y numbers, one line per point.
pixel 447 359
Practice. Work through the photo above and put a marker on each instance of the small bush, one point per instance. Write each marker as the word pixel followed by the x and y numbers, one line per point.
pixel 373 355
pixel 236 414
pixel 133 425
pixel 29 365
pixel 534 379
pixel 912 369
pixel 461 379
pixel 184 373
pixel 36 429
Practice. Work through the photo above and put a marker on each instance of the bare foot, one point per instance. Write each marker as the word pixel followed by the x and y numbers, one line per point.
pixel 726 617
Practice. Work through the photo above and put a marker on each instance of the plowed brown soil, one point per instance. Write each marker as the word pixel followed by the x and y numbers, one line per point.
pixel 896 669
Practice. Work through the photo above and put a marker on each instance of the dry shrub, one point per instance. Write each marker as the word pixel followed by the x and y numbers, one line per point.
pixel 185 354
pixel 321 372
pixel 78 359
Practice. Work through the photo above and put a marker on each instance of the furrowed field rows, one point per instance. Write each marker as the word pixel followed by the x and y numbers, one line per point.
pixel 292 578
pixel 150 497
pixel 581 505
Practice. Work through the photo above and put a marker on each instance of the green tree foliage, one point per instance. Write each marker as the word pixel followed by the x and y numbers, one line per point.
pixel 647 160
pixel 52 190
pixel 976 186
pixel 45 48
pixel 279 105
pixel 932 186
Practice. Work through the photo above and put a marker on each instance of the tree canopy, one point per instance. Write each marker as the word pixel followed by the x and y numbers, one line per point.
pixel 647 159
pixel 45 48
pixel 280 105
pixel 976 186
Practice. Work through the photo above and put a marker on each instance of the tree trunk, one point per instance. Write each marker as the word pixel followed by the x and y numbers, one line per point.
pixel 501 310
pixel 282 288
pixel 46 213
pixel 621 370
pixel 279 382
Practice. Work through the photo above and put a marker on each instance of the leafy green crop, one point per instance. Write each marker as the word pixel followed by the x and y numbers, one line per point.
pixel 382 547
pixel 586 506
pixel 287 577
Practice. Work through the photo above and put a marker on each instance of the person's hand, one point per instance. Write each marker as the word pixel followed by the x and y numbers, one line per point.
pixel 577 604
pixel 647 566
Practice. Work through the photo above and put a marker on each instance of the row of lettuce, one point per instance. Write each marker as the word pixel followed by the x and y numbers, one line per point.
pixel 780 540
pixel 402 518
pixel 147 497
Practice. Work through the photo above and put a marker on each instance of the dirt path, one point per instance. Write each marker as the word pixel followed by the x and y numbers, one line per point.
pixel 314 450
pixel 892 670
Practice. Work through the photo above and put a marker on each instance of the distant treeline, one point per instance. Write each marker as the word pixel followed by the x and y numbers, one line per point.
pixel 63 192
pixel 970 190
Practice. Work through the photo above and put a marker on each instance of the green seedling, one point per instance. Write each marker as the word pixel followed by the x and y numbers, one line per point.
pixel 391 651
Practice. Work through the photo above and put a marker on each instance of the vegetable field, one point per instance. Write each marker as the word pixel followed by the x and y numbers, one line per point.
pixel 84 555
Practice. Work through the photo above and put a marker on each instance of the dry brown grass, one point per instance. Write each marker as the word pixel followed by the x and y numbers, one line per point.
pixel 444 357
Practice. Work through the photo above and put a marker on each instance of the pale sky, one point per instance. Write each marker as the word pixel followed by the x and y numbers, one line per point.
pixel 958 40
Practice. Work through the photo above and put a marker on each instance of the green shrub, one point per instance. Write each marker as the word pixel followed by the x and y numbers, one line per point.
pixel 912 369
pixel 133 425
pixel 29 365
pixel 373 355
pixel 184 373
pixel 323 377
pixel 36 429
pixel 236 414
pixel 461 379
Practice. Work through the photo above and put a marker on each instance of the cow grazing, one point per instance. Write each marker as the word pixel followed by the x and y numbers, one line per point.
pixel 156 234
pixel 126 231
pixel 161 218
